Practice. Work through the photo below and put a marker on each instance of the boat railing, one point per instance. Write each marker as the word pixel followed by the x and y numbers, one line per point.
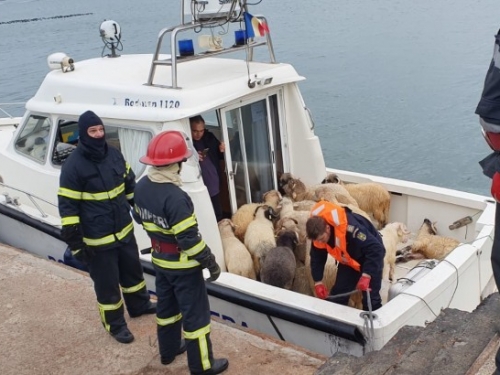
pixel 3 109
pixel 14 201
pixel 175 57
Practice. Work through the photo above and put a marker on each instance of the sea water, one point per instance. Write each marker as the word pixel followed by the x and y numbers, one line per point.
pixel 392 85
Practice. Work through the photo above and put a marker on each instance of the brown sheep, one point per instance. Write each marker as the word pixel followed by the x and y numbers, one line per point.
pixel 431 246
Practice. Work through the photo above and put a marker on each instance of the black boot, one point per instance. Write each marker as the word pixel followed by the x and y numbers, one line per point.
pixel 182 349
pixel 123 335
pixel 150 309
pixel 218 366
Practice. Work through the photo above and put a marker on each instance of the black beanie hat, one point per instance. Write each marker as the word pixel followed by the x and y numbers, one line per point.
pixel 87 120
pixel 93 147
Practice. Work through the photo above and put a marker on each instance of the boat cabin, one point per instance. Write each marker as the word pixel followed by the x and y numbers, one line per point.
pixel 254 107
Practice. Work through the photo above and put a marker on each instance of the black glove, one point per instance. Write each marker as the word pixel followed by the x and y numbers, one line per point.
pixel 212 266
pixel 83 255
pixel 72 235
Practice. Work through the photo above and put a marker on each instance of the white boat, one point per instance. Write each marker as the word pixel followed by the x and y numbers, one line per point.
pixel 257 109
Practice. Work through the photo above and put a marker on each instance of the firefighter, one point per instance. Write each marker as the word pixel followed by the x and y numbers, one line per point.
pixel 179 255
pixel 356 245
pixel 95 197
pixel 488 110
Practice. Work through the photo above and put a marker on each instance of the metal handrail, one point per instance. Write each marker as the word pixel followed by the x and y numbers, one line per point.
pixel 174 59
pixel 9 104
pixel 31 197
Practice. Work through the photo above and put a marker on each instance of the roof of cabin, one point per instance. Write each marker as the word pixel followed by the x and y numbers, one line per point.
pixel 115 87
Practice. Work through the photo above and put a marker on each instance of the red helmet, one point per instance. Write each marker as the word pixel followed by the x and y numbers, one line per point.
pixel 166 148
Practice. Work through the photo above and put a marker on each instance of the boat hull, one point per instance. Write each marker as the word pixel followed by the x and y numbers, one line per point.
pixel 461 281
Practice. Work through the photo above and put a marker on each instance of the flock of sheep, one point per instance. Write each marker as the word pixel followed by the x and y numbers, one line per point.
pixel 267 241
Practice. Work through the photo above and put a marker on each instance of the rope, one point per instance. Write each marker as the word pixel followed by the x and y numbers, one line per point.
pixel 424 301
pixel 335 296
pixel 368 316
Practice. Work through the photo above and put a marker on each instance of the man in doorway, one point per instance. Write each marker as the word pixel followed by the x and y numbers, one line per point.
pixel 210 152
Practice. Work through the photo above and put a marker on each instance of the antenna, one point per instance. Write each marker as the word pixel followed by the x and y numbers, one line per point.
pixel 211 10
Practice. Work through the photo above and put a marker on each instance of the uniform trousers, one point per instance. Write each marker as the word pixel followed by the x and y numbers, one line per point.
pixel 495 264
pixel 110 269
pixel 347 278
pixel 183 303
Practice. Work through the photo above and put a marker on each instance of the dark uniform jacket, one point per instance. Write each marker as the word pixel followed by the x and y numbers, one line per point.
pixel 96 195
pixel 210 141
pixel 488 107
pixel 364 245
pixel 167 214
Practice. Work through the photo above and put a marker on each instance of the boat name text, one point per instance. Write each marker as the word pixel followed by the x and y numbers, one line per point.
pixel 152 103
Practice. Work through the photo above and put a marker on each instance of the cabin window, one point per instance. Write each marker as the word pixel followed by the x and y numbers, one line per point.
pixel 132 143
pixel 34 137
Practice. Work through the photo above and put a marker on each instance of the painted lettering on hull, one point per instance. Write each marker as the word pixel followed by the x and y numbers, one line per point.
pixel 167 104
pixel 227 318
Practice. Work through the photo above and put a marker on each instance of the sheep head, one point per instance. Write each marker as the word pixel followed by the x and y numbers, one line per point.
pixel 403 232
pixel 272 198
pixel 331 178
pixel 427 228
pixel 282 181
pixel 226 228
pixel 288 239
pixel 286 224
pixel 295 188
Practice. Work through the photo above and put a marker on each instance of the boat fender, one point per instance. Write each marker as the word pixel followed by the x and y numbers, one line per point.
pixel 415 274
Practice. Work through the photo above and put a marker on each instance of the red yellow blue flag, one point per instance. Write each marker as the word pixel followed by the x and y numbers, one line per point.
pixel 254 26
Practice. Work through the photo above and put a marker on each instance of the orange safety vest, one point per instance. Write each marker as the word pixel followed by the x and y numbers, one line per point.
pixel 336 217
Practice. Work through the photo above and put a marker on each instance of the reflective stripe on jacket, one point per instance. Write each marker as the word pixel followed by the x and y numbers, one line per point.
pixel 95 195
pixel 336 217
pixel 167 214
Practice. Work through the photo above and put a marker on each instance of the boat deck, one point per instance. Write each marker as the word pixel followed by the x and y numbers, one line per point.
pixel 49 324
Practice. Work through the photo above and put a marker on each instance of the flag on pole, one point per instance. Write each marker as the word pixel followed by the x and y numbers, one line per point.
pixel 254 26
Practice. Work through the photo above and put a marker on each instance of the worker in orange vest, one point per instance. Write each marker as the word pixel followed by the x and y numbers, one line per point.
pixel 356 245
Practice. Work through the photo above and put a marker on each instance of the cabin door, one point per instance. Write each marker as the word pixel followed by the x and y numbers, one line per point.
pixel 253 149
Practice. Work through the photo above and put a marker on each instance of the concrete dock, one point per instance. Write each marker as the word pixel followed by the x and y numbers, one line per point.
pixel 49 324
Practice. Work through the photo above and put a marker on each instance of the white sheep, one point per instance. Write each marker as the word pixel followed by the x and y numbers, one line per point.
pixel 237 257
pixel 288 216
pixel 429 245
pixel 279 264
pixel 305 205
pixel 392 234
pixel 244 215
pixel 371 197
pixel 259 236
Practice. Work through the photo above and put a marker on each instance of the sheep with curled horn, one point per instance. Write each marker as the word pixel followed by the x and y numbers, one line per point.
pixel 259 237
pixel 244 215
pixel 279 264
